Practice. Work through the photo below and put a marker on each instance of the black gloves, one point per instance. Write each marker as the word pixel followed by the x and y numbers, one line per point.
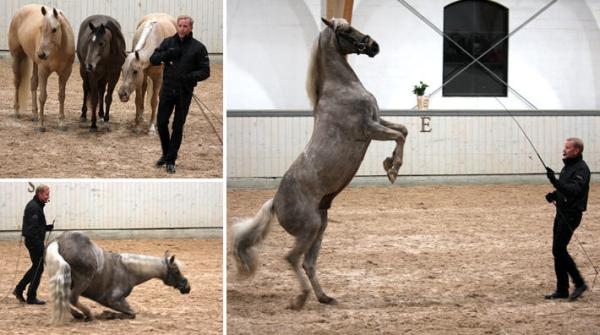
pixel 551 197
pixel 49 227
pixel 550 175
pixel 172 54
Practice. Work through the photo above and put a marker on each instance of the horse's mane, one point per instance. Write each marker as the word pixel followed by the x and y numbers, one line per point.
pixel 143 261
pixel 146 30
pixel 312 76
pixel 117 47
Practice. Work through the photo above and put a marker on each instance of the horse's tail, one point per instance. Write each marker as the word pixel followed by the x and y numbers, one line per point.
pixel 248 233
pixel 60 283
pixel 25 72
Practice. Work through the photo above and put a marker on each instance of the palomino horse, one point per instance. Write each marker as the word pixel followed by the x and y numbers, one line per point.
pixel 77 266
pixel 152 29
pixel 40 42
pixel 101 53
pixel 346 121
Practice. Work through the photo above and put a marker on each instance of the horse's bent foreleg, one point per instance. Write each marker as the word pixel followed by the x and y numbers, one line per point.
pixel 119 305
pixel 310 260
pixel 378 131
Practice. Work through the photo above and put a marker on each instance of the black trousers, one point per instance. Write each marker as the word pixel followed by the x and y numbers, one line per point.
pixel 170 99
pixel 565 224
pixel 34 274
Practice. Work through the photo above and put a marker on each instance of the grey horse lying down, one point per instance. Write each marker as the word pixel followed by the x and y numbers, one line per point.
pixel 79 267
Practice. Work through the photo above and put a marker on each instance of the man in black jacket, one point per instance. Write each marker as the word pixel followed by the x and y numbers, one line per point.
pixel 570 198
pixel 34 230
pixel 185 63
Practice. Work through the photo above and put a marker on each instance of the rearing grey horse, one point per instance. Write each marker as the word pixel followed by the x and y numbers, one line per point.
pixel 346 121
pixel 79 267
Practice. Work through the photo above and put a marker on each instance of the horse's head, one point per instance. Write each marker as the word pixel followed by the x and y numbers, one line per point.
pixel 133 75
pixel 98 46
pixel 350 40
pixel 174 277
pixel 50 34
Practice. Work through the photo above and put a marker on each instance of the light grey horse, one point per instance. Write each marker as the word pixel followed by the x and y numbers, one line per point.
pixel 78 267
pixel 346 121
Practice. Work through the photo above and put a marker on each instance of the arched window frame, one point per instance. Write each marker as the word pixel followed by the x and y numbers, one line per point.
pixel 475 25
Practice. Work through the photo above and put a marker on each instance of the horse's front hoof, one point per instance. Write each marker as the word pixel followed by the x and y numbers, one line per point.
pixel 41 129
pixel 392 176
pixel 93 129
pixel 62 128
pixel 17 116
pixel 387 164
pixel 82 119
pixel 34 119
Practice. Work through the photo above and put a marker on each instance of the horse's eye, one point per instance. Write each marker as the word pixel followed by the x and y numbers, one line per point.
pixel 53 30
pixel 101 44
pixel 134 72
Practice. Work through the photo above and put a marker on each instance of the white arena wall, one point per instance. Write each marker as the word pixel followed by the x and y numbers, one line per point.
pixel 121 208
pixel 207 14
pixel 460 143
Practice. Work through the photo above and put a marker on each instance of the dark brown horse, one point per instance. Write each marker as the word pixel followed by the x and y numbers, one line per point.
pixel 346 121
pixel 101 53
pixel 78 267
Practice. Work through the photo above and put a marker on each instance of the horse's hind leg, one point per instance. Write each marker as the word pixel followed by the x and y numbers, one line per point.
pixel 19 58
pixel 310 260
pixel 304 239
pixel 80 284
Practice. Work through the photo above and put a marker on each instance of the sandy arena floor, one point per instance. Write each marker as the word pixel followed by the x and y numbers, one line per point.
pixel 119 153
pixel 422 260
pixel 160 309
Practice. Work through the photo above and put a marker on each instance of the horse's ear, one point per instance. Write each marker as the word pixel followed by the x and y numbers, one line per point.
pixel 172 260
pixel 92 26
pixel 137 55
pixel 44 11
pixel 55 12
pixel 327 22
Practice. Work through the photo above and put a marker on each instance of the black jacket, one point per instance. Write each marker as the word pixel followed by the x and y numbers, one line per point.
pixel 34 220
pixel 186 62
pixel 573 185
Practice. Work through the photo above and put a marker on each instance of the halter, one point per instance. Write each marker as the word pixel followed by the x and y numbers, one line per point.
pixel 361 45
pixel 174 277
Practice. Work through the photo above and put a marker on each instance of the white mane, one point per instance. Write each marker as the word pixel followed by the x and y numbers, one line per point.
pixel 145 33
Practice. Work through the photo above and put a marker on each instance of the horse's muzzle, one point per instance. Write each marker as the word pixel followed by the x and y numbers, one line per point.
pixel 372 49
pixel 183 286
pixel 123 96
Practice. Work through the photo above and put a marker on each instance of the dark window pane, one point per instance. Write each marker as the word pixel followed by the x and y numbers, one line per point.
pixel 476 26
